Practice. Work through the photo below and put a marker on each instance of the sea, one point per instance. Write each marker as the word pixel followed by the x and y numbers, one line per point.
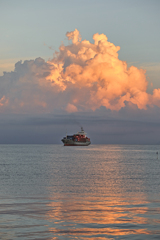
pixel 52 192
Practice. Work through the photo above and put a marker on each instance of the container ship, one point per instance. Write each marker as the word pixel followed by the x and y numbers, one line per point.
pixel 78 139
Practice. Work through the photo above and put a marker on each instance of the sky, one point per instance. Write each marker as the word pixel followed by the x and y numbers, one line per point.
pixel 66 64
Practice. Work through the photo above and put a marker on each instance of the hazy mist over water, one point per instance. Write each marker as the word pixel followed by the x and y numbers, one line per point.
pixel 95 192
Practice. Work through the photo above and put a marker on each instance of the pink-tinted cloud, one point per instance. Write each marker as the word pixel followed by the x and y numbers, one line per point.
pixel 81 76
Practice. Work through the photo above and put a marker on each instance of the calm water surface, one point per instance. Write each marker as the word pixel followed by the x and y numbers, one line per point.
pixel 95 192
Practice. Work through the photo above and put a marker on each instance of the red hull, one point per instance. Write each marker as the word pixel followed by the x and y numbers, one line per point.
pixel 73 145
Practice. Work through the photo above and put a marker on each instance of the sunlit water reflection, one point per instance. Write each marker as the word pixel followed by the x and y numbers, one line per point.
pixel 94 192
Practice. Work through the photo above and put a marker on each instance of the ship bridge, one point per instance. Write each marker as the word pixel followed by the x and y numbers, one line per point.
pixel 82 132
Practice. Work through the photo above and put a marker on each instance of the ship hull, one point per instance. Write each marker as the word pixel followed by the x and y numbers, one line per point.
pixel 73 143
pixel 76 144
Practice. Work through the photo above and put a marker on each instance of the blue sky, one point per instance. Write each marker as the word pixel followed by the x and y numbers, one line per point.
pixel 37 28
pixel 27 25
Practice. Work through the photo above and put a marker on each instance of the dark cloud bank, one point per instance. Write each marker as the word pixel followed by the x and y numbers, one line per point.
pixel 50 128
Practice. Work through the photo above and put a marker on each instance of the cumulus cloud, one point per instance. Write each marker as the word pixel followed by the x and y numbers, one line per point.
pixel 81 76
